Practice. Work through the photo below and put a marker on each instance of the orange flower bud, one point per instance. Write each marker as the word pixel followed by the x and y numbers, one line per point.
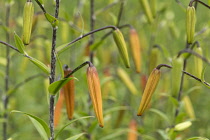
pixel 149 90
pixel 135 47
pixel 132 135
pixel 95 93
pixel 68 90
pixel 58 109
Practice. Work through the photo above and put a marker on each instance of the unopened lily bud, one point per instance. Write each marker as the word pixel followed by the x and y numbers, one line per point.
pixel 190 23
pixel 177 67
pixel 132 135
pixel 126 80
pixel 68 91
pixel 198 62
pixel 188 107
pixel 28 14
pixel 151 85
pixel 58 109
pixel 136 50
pixel 95 93
pixel 120 42
pixel 147 10
pixel 182 126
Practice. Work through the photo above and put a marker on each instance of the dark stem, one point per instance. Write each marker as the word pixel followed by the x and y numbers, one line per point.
pixel 180 3
pixel 5 98
pixel 79 67
pixel 181 83
pixel 120 13
pixel 28 0
pixel 184 72
pixel 8 45
pixel 191 3
pixel 52 74
pixel 41 6
pixel 92 24
pixel 82 36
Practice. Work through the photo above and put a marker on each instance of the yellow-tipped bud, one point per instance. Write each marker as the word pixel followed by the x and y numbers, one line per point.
pixel 58 109
pixel 95 93
pixel 120 42
pixel 28 14
pixel 188 107
pixel 126 80
pixel 136 50
pixel 149 90
pixel 68 91
pixel 190 23
pixel 198 62
pixel 132 135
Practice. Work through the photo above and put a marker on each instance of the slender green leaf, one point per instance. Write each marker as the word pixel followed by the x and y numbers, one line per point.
pixel 76 136
pixel 56 86
pixel 62 48
pixel 40 124
pixel 19 43
pixel 115 109
pixel 202 77
pixel 53 21
pixel 161 114
pixel 59 132
pixel 39 64
pixel 115 134
pixel 198 138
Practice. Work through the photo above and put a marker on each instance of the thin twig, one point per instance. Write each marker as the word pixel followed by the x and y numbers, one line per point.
pixel 82 36
pixel 120 13
pixel 192 1
pixel 41 6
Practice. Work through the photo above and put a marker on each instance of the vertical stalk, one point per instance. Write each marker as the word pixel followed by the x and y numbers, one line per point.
pixel 182 82
pixel 120 13
pixel 5 97
pixel 92 25
pixel 52 74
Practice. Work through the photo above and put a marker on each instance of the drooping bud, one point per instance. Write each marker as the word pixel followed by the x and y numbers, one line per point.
pixel 177 67
pixel 190 23
pixel 188 107
pixel 151 85
pixel 68 91
pixel 132 135
pixel 120 42
pixel 95 93
pixel 58 109
pixel 147 10
pixel 126 80
pixel 198 62
pixel 136 50
pixel 28 14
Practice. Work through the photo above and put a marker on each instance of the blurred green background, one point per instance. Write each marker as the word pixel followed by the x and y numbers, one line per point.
pixel 119 104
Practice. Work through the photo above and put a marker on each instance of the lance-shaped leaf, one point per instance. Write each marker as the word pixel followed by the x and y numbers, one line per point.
pixel 190 23
pixel 95 93
pixel 19 43
pixel 53 21
pixel 41 65
pixel 56 86
pixel 135 48
pixel 76 137
pixel 68 90
pixel 28 14
pixel 120 42
pixel 149 90
pixel 126 80
pixel 40 125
